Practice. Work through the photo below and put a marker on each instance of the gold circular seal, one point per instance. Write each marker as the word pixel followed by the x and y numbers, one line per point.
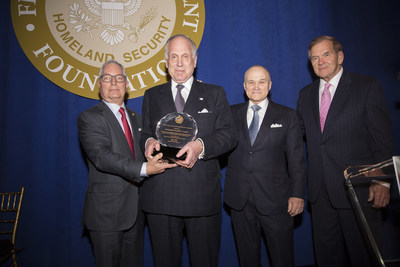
pixel 69 40
pixel 179 119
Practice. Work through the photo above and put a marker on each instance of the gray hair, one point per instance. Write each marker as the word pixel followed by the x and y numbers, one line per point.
pixel 336 45
pixel 194 48
pixel 109 62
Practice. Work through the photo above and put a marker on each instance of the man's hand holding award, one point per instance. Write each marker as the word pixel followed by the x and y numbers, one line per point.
pixel 176 139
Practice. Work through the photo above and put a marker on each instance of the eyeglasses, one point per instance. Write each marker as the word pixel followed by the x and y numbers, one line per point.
pixel 107 78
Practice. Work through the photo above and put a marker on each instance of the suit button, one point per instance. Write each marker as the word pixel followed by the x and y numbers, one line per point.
pixel 250 172
pixel 251 152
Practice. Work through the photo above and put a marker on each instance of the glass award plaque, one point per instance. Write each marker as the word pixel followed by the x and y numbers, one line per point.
pixel 174 131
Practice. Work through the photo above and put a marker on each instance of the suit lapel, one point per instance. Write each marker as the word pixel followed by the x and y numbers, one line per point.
pixel 242 118
pixel 114 125
pixel 269 116
pixel 342 92
pixel 165 99
pixel 110 117
pixel 196 101
pixel 315 102
pixel 134 125
pixel 135 131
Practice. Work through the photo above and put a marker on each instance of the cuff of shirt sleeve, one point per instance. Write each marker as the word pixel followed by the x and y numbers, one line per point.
pixel 143 172
pixel 201 156
pixel 385 184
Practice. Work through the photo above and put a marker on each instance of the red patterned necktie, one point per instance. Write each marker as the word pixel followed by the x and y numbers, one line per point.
pixel 127 130
pixel 325 104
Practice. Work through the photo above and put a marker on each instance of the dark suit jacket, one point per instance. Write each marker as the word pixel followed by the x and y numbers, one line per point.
pixel 195 192
pixel 357 131
pixel 273 168
pixel 111 200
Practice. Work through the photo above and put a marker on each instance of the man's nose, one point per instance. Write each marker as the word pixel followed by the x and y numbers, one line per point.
pixel 180 61
pixel 113 79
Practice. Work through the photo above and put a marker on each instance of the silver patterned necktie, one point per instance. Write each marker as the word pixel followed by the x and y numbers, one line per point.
pixel 253 129
pixel 179 101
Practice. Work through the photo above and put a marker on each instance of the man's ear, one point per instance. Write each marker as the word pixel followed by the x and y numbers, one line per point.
pixel 166 63
pixel 195 61
pixel 340 57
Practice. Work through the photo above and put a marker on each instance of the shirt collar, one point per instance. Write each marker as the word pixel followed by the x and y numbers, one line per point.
pixel 187 84
pixel 263 104
pixel 334 81
pixel 114 107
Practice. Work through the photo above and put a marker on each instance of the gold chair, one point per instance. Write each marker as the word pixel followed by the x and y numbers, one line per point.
pixel 9 214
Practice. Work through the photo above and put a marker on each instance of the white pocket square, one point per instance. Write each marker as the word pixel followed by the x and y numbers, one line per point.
pixel 204 111
pixel 276 125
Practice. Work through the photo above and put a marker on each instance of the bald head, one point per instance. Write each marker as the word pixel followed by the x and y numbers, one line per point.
pixel 257 83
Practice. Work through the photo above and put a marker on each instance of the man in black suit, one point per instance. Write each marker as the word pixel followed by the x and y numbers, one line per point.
pixel 265 178
pixel 189 197
pixel 116 170
pixel 346 122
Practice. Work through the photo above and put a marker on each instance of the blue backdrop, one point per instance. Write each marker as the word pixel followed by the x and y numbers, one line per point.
pixel 38 133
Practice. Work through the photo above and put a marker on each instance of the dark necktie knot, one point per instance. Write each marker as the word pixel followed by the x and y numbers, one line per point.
pixel 179 101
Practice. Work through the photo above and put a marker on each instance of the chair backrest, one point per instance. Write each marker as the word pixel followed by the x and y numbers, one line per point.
pixel 9 213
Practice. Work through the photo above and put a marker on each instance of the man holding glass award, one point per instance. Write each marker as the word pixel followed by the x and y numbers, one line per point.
pixel 193 118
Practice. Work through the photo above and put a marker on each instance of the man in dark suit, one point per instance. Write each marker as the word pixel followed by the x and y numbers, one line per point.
pixel 116 170
pixel 265 178
pixel 346 121
pixel 189 197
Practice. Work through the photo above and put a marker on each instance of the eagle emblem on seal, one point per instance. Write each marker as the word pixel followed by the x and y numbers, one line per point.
pixel 111 18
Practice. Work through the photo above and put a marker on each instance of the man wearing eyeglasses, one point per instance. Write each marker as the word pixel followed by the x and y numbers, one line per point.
pixel 109 133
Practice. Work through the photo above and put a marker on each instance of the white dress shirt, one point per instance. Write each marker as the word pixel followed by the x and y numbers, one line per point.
pixel 334 84
pixel 185 90
pixel 261 113
pixel 115 110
